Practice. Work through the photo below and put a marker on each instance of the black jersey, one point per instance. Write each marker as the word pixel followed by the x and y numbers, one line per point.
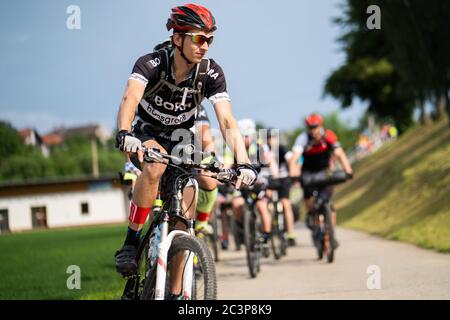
pixel 163 110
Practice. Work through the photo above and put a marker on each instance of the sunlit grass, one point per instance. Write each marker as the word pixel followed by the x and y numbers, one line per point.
pixel 402 192
pixel 34 264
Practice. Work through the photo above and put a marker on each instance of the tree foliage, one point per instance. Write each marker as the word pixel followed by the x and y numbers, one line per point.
pixel 395 68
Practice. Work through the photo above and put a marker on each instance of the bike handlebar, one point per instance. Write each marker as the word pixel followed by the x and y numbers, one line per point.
pixel 324 178
pixel 214 166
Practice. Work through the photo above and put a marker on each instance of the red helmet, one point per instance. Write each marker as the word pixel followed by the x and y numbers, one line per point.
pixel 314 120
pixel 191 16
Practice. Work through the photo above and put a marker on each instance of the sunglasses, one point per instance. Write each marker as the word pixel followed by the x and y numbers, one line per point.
pixel 312 127
pixel 200 39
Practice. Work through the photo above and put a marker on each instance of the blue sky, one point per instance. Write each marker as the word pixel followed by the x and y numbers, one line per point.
pixel 276 56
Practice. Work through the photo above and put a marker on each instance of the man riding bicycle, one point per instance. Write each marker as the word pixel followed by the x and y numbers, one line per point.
pixel 255 150
pixel 164 91
pixel 318 145
pixel 283 174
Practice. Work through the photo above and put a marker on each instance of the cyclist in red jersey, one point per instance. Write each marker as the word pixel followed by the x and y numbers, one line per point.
pixel 318 147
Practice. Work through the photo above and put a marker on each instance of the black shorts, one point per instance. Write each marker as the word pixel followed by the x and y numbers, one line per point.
pixel 324 192
pixel 284 188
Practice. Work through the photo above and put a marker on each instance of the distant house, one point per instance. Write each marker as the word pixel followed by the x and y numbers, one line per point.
pixel 31 137
pixel 52 140
pixel 54 203
pixel 93 130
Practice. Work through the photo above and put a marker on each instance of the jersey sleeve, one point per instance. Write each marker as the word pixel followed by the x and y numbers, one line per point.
pixel 216 85
pixel 145 69
pixel 300 143
pixel 331 139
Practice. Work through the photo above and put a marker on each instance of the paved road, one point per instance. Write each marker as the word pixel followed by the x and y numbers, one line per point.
pixel 406 272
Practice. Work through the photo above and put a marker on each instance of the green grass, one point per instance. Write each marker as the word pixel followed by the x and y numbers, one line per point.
pixel 402 191
pixel 33 265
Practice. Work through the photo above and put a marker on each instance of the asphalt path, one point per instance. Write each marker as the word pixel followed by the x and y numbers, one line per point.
pixel 365 267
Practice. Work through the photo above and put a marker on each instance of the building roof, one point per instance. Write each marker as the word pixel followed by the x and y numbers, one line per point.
pixel 52 139
pixel 57 185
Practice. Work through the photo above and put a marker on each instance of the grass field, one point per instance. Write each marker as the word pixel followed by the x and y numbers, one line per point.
pixel 402 192
pixel 34 264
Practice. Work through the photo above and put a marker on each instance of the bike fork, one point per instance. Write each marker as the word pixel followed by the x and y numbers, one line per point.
pixel 161 268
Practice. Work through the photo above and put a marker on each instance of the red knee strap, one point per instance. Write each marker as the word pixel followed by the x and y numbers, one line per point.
pixel 202 216
pixel 138 215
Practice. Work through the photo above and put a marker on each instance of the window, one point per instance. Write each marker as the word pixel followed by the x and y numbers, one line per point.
pixel 39 217
pixel 84 208
pixel 4 223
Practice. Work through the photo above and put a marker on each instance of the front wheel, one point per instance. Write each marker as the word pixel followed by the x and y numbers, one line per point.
pixel 204 285
pixel 329 235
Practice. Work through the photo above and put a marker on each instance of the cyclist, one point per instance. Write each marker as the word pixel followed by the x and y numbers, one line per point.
pixel 164 91
pixel 283 173
pixel 247 127
pixel 318 146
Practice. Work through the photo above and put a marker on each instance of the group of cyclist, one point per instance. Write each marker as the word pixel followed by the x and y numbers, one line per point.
pixel 162 103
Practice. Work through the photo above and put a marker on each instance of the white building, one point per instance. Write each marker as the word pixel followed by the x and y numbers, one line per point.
pixel 62 203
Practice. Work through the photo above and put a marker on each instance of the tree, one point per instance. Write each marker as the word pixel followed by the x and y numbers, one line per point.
pixel 10 141
pixel 399 67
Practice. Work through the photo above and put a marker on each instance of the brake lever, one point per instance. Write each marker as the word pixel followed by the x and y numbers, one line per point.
pixel 151 155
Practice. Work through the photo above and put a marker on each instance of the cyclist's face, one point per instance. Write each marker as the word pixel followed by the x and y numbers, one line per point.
pixel 316 133
pixel 195 52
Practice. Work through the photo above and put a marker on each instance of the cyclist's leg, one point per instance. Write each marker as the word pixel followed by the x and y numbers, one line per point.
pixel 261 205
pixel 144 194
pixel 221 202
pixel 309 204
pixel 237 205
pixel 206 200
pixel 283 194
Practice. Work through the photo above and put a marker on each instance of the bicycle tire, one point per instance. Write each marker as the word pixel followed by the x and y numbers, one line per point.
pixel 250 242
pixel 329 235
pixel 214 237
pixel 205 260
pixel 276 238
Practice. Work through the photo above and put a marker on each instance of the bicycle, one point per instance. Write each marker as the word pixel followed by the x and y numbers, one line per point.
pixel 323 228
pixel 160 259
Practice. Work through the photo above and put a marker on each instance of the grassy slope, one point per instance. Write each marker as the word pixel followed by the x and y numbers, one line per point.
pixel 33 264
pixel 402 191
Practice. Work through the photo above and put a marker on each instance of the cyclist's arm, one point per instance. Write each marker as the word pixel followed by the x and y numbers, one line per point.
pixel 131 98
pixel 342 158
pixel 268 157
pixel 294 166
pixel 230 131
